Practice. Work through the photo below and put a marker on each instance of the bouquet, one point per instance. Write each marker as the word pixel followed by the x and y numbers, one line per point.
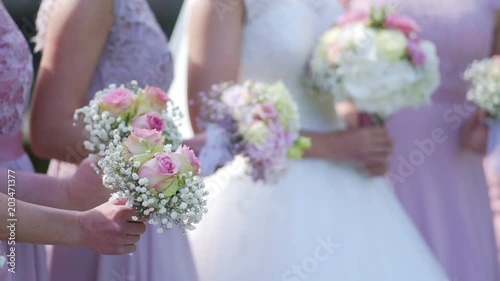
pixel 160 183
pixel 484 78
pixel 255 120
pixel 116 111
pixel 376 61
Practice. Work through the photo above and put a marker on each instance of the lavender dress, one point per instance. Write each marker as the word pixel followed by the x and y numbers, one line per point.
pixel 136 49
pixel 16 76
pixel 441 185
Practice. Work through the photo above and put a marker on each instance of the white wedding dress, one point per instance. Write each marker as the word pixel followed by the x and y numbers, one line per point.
pixel 323 220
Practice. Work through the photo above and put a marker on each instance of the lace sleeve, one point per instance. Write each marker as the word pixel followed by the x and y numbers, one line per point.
pixel 42 19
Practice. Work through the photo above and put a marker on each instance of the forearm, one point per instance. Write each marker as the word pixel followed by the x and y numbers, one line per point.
pixel 325 146
pixel 35 188
pixel 37 224
pixel 496 35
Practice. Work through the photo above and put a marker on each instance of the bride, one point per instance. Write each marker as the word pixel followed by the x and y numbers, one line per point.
pixel 325 220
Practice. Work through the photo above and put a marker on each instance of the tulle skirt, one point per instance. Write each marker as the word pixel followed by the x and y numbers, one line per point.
pixel 321 222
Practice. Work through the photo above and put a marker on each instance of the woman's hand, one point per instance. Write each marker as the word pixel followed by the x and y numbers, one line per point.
pixel 370 148
pixel 109 229
pixel 84 190
pixel 475 133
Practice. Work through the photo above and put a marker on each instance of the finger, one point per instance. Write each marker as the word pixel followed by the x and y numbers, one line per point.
pixel 118 201
pixel 127 249
pixel 135 228
pixel 379 150
pixel 377 170
pixel 131 239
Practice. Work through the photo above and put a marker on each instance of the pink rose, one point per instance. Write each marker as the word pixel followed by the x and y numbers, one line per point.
pixel 191 156
pixel 141 140
pixel 353 17
pixel 234 96
pixel 117 101
pixel 417 55
pixel 402 23
pixel 334 54
pixel 265 111
pixel 150 121
pixel 153 99
pixel 162 172
pixel 157 94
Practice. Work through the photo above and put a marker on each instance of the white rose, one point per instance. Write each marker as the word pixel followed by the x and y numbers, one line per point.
pixel 391 44
pixel 257 133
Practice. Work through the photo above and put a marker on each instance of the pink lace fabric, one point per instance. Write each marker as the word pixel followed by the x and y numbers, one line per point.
pixel 16 75
pixel 135 49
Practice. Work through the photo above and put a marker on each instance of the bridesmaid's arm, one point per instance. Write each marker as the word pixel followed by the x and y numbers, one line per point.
pixel 106 229
pixel 81 191
pixel 214 48
pixel 496 40
pixel 475 132
pixel 77 33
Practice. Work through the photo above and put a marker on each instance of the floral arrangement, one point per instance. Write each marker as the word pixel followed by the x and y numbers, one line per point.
pixel 162 184
pixel 134 134
pixel 377 61
pixel 484 77
pixel 116 111
pixel 255 120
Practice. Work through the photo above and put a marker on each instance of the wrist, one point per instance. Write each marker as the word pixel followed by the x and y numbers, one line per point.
pixel 79 235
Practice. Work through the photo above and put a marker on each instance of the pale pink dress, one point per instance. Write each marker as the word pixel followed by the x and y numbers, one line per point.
pixel 441 185
pixel 136 49
pixel 16 76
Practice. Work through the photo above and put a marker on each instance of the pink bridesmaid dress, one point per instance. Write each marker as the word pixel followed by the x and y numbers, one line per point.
pixel 136 49
pixel 441 185
pixel 16 76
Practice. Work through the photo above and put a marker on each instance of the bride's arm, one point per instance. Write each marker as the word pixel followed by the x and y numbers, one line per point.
pixel 76 34
pixel 214 48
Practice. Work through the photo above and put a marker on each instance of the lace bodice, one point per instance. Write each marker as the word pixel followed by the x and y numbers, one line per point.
pixel 16 74
pixel 278 38
pixel 136 48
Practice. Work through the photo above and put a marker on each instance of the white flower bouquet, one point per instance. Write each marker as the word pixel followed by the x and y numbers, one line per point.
pixel 116 111
pixel 376 61
pixel 255 120
pixel 484 91
pixel 162 184
pixel 484 78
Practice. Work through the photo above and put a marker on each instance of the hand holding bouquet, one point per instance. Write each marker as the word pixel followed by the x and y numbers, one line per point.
pixel 116 111
pixel 484 91
pixel 376 61
pixel 258 121
pixel 162 184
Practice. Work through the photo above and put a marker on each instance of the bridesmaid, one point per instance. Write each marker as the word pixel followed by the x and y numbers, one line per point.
pixel 436 174
pixel 87 45
pixel 16 73
pixel 39 224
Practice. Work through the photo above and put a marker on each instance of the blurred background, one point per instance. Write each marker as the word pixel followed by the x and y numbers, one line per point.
pixel 24 13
